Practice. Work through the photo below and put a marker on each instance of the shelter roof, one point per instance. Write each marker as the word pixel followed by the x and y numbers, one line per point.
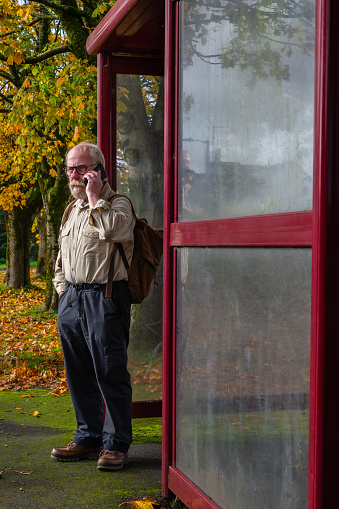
pixel 130 28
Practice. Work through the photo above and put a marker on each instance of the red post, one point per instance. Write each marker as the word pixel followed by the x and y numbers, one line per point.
pixel 167 255
pixel 319 256
pixel 106 113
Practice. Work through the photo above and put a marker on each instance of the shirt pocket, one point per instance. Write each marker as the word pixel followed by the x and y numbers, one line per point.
pixel 65 242
pixel 93 246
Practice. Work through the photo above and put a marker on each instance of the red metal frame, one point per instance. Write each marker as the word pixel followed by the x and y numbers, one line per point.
pixel 138 65
pixel 319 256
pixel 122 29
pixel 188 493
pixel 292 229
pixel 106 103
pixel 141 409
pixel 169 123
pixel 331 372
pixel 174 356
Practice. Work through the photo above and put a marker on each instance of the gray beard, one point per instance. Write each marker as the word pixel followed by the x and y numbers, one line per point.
pixel 79 193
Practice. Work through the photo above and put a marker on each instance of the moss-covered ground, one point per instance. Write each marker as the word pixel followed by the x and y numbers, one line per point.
pixel 32 422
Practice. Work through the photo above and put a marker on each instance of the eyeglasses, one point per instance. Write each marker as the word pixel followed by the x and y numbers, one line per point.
pixel 81 169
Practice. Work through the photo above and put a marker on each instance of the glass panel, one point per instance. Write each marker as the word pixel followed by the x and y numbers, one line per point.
pixel 246 98
pixel 242 396
pixel 140 132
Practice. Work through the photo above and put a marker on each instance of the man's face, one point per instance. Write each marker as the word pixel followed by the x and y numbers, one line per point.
pixel 76 157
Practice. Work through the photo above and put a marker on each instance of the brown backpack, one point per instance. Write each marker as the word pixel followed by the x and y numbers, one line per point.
pixel 147 253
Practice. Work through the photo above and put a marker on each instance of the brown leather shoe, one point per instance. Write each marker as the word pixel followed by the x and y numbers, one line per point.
pixel 74 452
pixel 111 460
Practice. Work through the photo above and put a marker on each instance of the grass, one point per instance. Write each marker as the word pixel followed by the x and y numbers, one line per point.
pixel 41 407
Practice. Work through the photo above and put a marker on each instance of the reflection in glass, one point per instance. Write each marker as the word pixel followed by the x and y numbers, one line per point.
pixel 246 98
pixel 140 132
pixel 242 371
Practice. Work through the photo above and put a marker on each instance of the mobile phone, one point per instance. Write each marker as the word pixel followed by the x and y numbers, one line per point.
pixel 100 168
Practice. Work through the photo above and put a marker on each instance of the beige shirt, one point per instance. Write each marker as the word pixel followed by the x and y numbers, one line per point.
pixel 87 241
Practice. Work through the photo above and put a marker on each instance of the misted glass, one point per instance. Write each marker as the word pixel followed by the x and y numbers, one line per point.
pixel 246 96
pixel 140 155
pixel 242 372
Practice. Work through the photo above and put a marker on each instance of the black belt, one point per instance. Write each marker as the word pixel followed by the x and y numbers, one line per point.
pixel 87 286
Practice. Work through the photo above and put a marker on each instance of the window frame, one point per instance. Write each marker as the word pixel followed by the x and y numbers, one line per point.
pixel 307 229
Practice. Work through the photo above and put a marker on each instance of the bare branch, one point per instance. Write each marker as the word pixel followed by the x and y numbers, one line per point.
pixel 47 54
pixel 32 23
pixel 6 76
pixel 6 99
pixel 65 9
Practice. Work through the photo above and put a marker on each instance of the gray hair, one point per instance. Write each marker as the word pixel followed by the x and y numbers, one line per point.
pixel 95 152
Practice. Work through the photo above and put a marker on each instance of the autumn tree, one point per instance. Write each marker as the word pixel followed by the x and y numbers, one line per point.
pixel 45 76
pixel 47 104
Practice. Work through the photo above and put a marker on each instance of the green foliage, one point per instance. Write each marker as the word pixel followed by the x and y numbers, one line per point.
pixel 102 8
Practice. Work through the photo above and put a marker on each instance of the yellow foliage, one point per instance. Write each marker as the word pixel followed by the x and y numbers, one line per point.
pixel 34 226
pixel 18 58
pixel 54 108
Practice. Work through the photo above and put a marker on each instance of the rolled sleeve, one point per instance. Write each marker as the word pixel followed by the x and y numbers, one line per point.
pixel 113 221
pixel 59 280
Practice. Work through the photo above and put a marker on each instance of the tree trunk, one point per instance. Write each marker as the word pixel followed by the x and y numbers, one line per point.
pixel 18 227
pixel 54 192
pixel 41 265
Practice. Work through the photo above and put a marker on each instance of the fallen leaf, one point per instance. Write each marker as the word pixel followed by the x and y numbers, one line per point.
pixel 35 413
pixel 27 396
pixel 22 473
pixel 145 503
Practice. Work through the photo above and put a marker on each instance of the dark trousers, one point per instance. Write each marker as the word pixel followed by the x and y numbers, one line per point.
pixel 94 334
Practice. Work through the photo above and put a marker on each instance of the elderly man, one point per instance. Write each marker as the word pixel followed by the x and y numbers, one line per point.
pixel 94 320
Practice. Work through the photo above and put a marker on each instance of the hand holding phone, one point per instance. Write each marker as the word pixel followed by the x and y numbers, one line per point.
pixel 100 168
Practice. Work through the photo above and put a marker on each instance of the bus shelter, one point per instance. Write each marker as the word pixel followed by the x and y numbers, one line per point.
pixel 234 155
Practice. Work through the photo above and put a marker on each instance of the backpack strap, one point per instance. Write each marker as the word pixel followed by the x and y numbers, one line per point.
pixel 110 276
pixel 67 212
pixel 117 195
